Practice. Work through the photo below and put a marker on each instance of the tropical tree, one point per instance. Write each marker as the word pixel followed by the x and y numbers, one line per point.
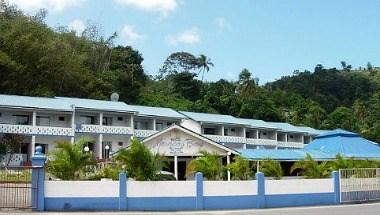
pixel 69 161
pixel 311 168
pixel 140 163
pixel 209 164
pixel 247 85
pixel 9 144
pixel 272 168
pixel 241 169
pixel 204 64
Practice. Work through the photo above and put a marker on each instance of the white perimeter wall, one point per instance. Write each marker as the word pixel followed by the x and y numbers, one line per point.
pixel 81 189
pixel 294 186
pixel 161 188
pixel 229 188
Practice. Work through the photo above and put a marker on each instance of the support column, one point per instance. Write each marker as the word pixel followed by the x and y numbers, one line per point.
pixel 275 133
pixel 260 190
pixel 176 167
pixel 222 127
pixel 336 180
pixel 38 179
pixel 303 139
pixel 199 191
pixel 34 118
pixel 32 145
pixel 123 204
pixel 132 125
pixel 257 134
pixel 72 139
pixel 154 124
pixel 100 146
pixel 228 162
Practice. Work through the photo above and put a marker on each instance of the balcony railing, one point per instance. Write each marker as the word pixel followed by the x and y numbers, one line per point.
pixel 144 133
pixel 290 144
pixel 226 139
pixel 97 129
pixel 37 130
pixel 261 142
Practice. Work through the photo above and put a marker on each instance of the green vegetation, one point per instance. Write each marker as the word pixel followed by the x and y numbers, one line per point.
pixel 69 161
pixel 271 168
pixel 38 60
pixel 208 164
pixel 9 144
pixel 139 162
pixel 241 169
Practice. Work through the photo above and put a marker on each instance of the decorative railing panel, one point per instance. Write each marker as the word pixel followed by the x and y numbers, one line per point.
pixel 144 133
pixel 97 129
pixel 226 139
pixel 290 144
pixel 261 142
pixel 37 130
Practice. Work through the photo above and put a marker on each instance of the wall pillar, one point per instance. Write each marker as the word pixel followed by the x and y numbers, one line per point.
pixel 199 191
pixel 38 179
pixel 154 125
pixel 260 190
pixel 228 163
pixel 123 204
pixel 100 146
pixel 176 167
pixel 336 180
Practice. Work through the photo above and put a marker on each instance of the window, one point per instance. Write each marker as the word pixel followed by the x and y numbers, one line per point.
pixel 43 121
pixel 159 126
pixel 61 118
pixel 107 120
pixel 87 120
pixel 209 131
pixel 291 136
pixel 169 124
pixel 141 125
pixel 120 143
pixel 265 133
pixel 232 130
pixel 226 132
pixel 120 118
pixel 21 119
pixel 0 114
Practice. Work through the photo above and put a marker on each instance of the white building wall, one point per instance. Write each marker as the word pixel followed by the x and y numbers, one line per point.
pixel 81 189
pixel 293 186
pixel 8 118
pixel 192 125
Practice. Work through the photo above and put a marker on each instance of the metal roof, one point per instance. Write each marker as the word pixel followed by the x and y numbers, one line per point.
pixel 283 154
pixel 287 127
pixel 14 101
pixel 94 104
pixel 345 143
pixel 157 111
pixel 312 130
pixel 214 118
pixel 256 123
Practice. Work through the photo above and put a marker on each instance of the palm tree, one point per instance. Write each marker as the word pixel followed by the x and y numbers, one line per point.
pixel 241 169
pixel 247 85
pixel 204 64
pixel 311 168
pixel 140 163
pixel 272 168
pixel 69 161
pixel 209 164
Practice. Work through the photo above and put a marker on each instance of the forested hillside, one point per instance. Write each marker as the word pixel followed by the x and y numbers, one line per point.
pixel 38 60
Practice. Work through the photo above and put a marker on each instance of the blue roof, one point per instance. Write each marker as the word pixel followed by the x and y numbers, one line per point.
pixel 283 154
pixel 286 127
pixel 34 102
pixel 214 118
pixel 93 104
pixel 345 143
pixel 157 111
pixel 312 130
pixel 255 123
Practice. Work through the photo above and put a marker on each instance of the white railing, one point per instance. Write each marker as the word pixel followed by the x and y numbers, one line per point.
pixel 97 129
pixel 144 133
pixel 226 139
pixel 37 130
pixel 261 142
pixel 290 144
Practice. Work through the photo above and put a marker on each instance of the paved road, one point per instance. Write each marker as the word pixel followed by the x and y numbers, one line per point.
pixel 365 209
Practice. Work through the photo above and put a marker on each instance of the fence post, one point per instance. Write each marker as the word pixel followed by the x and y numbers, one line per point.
pixel 38 179
pixel 123 191
pixel 336 181
pixel 199 191
pixel 260 189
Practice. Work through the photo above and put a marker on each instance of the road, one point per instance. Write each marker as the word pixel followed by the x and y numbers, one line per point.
pixel 358 209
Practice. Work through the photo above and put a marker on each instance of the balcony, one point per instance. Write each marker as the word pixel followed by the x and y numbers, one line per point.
pixel 37 130
pixel 226 139
pixel 290 144
pixel 144 133
pixel 97 129
pixel 261 142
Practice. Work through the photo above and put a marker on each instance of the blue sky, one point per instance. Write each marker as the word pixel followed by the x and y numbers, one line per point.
pixel 270 38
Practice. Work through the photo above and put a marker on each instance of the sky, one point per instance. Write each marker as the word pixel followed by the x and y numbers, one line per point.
pixel 271 38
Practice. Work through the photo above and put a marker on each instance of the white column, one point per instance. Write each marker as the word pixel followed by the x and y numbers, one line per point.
pixel 176 167
pixel 303 139
pixel 222 127
pixel 228 162
pixel 33 145
pixel 275 133
pixel 154 124
pixel 101 119
pixel 34 118
pixel 100 146
pixel 257 134
pixel 286 137
pixel 258 165
pixel 72 139
pixel 132 123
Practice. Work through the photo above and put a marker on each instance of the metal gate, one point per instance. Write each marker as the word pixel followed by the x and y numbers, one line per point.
pixel 16 189
pixel 359 184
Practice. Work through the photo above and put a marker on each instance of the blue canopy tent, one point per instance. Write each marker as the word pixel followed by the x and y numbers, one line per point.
pixel 345 143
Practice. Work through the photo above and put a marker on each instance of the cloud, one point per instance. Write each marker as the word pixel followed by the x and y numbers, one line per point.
pixel 221 23
pixel 128 34
pixel 78 26
pixel 50 5
pixel 163 7
pixel 190 36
